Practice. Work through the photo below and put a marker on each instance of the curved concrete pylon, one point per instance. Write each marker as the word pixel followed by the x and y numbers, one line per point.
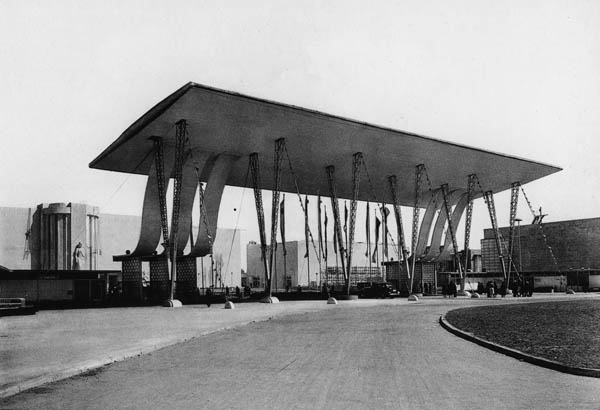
pixel 435 203
pixel 150 231
pixel 438 230
pixel 189 187
pixel 459 209
pixel 212 200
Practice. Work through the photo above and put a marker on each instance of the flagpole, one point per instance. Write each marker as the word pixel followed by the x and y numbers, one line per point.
pixel 377 248
pixel 306 238
pixel 282 231
pixel 369 243
pixel 320 240
pixel 326 251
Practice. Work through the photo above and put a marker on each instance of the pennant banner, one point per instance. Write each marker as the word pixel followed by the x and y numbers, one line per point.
pixel 335 240
pixel 368 230
pixel 306 224
pixel 282 223
pixel 325 209
pixel 377 225
pixel 320 227
pixel 384 216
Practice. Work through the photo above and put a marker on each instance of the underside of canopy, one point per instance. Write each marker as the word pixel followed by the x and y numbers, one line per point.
pixel 222 122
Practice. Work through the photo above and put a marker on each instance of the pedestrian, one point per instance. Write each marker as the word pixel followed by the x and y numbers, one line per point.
pixel 453 289
pixel 528 288
pixel 490 289
pixel 208 296
pixel 325 290
pixel 238 292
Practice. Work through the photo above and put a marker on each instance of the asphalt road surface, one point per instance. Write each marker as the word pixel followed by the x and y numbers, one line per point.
pixel 379 355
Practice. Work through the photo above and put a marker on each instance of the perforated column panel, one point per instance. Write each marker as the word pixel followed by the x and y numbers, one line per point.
pixel 132 270
pixel 159 279
pixel 132 278
pixel 187 278
pixel 186 269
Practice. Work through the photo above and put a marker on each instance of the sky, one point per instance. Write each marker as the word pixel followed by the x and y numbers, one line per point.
pixel 515 77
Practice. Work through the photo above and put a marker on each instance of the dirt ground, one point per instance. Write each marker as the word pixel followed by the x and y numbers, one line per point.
pixel 387 356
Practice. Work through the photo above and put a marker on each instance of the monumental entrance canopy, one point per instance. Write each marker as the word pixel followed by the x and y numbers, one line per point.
pixel 223 122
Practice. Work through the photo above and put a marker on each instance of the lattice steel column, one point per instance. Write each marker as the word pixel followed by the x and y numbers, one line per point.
pixel 180 137
pixel 399 225
pixel 469 216
pixel 451 230
pixel 278 158
pixel 336 216
pixel 356 163
pixel 255 171
pixel 514 199
pixel 415 222
pixel 203 212
pixel 489 200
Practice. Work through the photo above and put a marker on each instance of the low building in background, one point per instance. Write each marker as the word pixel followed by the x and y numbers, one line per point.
pixel 37 245
pixel 554 255
pixel 301 266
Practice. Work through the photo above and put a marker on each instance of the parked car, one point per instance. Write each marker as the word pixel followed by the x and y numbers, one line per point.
pixel 379 290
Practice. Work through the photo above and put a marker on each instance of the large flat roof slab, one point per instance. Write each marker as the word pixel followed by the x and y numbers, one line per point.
pixel 225 122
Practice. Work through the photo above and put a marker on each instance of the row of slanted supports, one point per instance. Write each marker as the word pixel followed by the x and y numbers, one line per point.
pixel 173 274
pixel 448 205
pixel 171 270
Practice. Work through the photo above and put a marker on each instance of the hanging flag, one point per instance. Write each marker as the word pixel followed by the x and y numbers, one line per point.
pixel 320 227
pixel 282 223
pixel 346 222
pixel 335 239
pixel 368 229
pixel 325 209
pixel 306 224
pixel 384 216
pixel 377 225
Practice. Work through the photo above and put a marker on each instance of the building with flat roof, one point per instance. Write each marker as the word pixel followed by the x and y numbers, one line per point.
pixel 37 245
pixel 552 246
pixel 296 269
pixel 556 254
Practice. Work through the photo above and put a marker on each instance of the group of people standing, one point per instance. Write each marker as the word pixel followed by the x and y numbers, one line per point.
pixel 522 287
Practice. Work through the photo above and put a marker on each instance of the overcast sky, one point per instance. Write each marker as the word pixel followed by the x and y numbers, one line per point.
pixel 520 78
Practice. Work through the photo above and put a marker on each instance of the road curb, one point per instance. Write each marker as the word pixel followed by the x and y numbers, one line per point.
pixel 538 361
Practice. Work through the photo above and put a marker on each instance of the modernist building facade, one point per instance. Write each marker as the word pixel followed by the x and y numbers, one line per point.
pixel 37 244
pixel 296 269
pixel 565 253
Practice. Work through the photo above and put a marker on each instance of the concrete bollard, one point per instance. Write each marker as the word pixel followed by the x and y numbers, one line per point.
pixel 413 298
pixel 332 301
pixel 269 299
pixel 172 303
pixel 229 305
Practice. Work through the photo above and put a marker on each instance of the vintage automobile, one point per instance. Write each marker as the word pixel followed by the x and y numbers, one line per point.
pixel 379 290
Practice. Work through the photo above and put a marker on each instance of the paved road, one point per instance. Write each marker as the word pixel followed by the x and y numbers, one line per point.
pixel 56 344
pixel 365 355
